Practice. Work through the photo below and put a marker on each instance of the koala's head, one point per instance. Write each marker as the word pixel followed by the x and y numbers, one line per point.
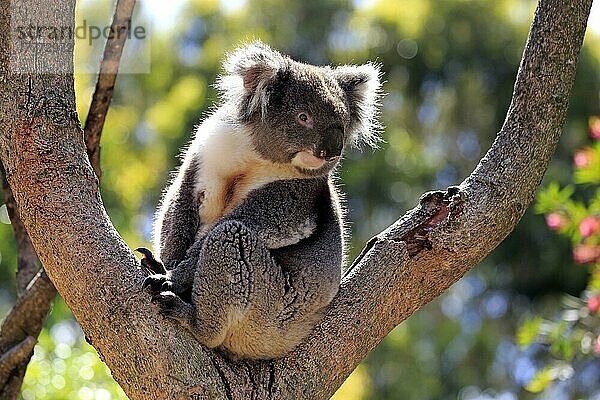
pixel 301 114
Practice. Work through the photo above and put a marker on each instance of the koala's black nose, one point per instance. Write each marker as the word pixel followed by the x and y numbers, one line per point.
pixel 332 144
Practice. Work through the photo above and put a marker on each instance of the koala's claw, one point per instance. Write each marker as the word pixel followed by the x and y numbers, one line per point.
pixel 156 282
pixel 149 262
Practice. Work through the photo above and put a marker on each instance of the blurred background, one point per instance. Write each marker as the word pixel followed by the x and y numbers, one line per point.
pixel 449 70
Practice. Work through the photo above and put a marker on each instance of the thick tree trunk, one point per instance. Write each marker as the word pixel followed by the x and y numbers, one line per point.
pixel 35 292
pixel 403 268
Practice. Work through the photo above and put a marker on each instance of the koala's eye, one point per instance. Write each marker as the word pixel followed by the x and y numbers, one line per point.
pixel 305 120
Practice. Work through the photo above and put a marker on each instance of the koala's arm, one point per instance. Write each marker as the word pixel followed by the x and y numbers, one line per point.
pixel 313 266
pixel 178 219
pixel 281 213
pixel 181 274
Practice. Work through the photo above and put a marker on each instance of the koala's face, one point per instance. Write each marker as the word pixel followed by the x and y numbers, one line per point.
pixel 302 114
pixel 305 122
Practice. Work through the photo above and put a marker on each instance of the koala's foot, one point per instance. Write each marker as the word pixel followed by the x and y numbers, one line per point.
pixel 173 307
pixel 149 262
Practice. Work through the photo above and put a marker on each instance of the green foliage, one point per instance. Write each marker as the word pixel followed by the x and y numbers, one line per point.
pixel 64 366
pixel 553 197
pixel 540 381
pixel 571 339
pixel 528 332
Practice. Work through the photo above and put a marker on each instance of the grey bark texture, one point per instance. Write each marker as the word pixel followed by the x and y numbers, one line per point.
pixel 401 269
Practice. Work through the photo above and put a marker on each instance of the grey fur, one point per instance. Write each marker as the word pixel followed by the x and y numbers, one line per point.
pixel 255 281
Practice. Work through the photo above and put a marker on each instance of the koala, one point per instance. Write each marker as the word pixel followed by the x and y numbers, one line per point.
pixel 250 234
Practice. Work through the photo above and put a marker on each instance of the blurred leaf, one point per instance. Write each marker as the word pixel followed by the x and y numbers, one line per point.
pixel 4 218
pixel 529 331
pixel 553 198
pixel 540 381
pixel 68 370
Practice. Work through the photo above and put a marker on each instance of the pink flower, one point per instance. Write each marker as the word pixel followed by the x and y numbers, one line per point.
pixel 583 158
pixel 555 221
pixel 586 253
pixel 593 303
pixel 595 128
pixel 588 226
pixel 596 346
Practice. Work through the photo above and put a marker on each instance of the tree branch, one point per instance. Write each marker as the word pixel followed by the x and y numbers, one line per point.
pixel 28 313
pixel 109 67
pixel 407 265
pixel 13 358
pixel 390 284
pixel 35 292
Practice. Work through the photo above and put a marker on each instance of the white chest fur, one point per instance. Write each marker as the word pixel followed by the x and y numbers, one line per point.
pixel 229 168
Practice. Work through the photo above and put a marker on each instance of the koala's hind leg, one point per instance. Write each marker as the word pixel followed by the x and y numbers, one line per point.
pixel 234 262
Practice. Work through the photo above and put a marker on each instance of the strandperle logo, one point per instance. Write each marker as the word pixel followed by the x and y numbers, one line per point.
pixel 41 41
pixel 89 32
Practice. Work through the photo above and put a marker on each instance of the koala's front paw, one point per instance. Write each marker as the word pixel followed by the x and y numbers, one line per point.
pixel 172 306
pixel 149 262
pixel 157 283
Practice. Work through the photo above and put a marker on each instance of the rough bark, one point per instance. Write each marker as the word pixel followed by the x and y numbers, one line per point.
pixel 402 268
pixel 35 292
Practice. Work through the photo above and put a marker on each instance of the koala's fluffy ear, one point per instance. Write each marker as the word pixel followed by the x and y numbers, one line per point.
pixel 249 73
pixel 362 87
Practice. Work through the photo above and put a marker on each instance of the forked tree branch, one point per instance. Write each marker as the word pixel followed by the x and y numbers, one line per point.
pixel 35 291
pixel 406 266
